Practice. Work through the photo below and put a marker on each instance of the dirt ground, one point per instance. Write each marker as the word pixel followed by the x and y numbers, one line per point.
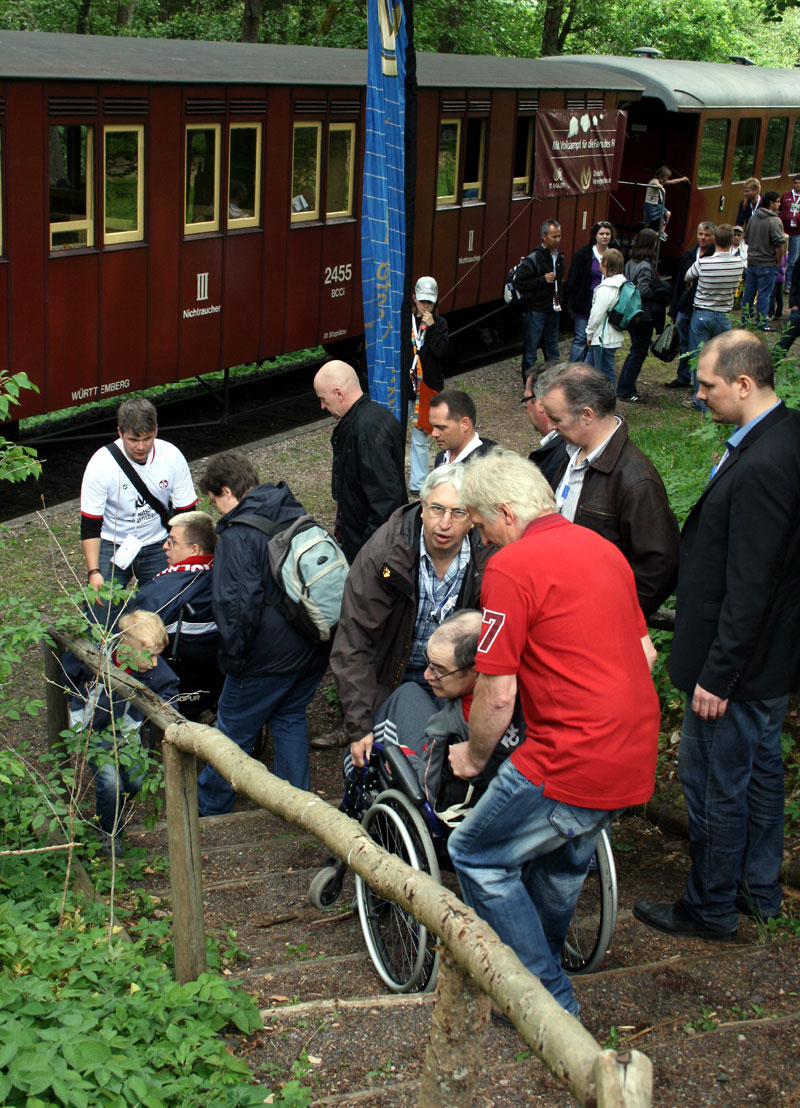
pixel 720 1022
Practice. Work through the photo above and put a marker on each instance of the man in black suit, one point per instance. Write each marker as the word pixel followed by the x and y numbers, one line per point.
pixel 453 418
pixel 736 650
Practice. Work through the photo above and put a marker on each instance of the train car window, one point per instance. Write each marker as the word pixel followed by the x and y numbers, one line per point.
pixel 775 146
pixel 523 156
pixel 123 184
pixel 449 157
pixel 305 171
pixel 202 178
pixel 744 152
pixel 244 176
pixel 71 191
pixel 341 151
pixel 713 149
pixel 794 157
pixel 474 152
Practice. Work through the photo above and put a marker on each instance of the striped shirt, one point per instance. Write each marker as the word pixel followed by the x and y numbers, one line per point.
pixel 719 275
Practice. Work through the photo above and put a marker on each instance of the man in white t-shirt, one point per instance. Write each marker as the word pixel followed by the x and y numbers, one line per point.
pixel 123 531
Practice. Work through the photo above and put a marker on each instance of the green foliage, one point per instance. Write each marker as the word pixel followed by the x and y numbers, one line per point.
pixel 17 463
pixel 707 1021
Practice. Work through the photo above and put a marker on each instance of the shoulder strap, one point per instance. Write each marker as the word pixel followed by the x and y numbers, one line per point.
pixel 138 483
pixel 266 526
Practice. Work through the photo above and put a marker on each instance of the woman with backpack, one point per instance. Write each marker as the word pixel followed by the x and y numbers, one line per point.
pixel 603 338
pixel 655 294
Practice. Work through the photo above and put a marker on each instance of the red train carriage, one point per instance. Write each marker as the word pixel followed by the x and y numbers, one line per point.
pixel 715 124
pixel 173 208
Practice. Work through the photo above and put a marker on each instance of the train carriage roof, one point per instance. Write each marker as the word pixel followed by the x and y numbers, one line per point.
pixel 44 56
pixel 683 85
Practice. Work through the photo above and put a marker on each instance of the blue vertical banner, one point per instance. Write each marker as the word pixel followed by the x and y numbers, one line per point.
pixel 383 213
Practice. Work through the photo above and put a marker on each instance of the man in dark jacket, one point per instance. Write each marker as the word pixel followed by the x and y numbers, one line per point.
pixel 271 670
pixel 368 474
pixel 736 650
pixel 550 456
pixel 764 237
pixel 608 485
pixel 181 595
pixel 453 419
pixel 683 301
pixel 422 564
pixel 540 279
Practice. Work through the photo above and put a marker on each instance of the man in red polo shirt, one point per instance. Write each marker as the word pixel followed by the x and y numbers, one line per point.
pixel 561 623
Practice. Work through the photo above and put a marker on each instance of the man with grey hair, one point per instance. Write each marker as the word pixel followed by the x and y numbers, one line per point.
pixel 540 280
pixel 422 564
pixel 563 629
pixel 607 484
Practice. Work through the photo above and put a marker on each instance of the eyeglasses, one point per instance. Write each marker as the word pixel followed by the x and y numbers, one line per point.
pixel 175 542
pixel 458 515
pixel 527 399
pixel 436 671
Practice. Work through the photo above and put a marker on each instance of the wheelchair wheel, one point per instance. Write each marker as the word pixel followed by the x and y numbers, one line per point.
pixel 595 918
pixel 326 887
pixel 401 949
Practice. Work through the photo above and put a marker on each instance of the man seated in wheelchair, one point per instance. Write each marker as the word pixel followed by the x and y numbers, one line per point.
pixel 424 731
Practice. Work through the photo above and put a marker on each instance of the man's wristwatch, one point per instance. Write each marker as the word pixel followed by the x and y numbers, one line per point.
pixel 89 575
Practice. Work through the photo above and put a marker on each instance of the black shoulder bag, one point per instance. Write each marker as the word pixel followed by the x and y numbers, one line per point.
pixel 138 483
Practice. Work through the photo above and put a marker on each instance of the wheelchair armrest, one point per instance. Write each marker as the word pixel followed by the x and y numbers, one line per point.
pixel 403 773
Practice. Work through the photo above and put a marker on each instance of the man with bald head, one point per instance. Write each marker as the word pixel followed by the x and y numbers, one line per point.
pixel 368 474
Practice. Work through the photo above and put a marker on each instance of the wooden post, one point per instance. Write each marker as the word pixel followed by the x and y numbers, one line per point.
pixel 185 874
pixel 454 1057
pixel 623 1080
pixel 55 701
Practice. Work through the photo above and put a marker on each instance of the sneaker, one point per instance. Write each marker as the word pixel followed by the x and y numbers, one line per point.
pixel 663 236
pixel 634 398
pixel 111 845
pixel 677 383
pixel 691 404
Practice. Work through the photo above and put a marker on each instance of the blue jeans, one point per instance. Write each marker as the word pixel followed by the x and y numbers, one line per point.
pixel 535 327
pixel 148 562
pixel 245 705
pixel 731 771
pixel 419 453
pixel 116 777
pixel 602 358
pixel 578 348
pixel 757 279
pixel 704 325
pixel 641 334
pixel 521 860
pixel 684 372
pixel 794 253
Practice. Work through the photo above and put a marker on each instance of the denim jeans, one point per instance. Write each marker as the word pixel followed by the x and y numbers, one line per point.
pixel 578 349
pixel 705 325
pixel 602 357
pixel 731 771
pixel 245 705
pixel 794 253
pixel 535 327
pixel 117 775
pixel 521 860
pixel 419 453
pixel 757 279
pixel 148 562
pixel 684 371
pixel 641 334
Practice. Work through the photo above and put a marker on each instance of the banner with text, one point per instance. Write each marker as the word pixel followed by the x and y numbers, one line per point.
pixel 383 222
pixel 577 151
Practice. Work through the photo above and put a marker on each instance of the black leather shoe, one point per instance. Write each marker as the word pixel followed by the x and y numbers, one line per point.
pixel 674 919
pixel 677 384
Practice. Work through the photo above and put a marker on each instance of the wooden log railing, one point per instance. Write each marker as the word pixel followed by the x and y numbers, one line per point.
pixel 475 960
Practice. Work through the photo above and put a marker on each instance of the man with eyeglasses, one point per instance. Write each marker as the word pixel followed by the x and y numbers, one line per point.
pixel 181 595
pixel 551 453
pixel 422 564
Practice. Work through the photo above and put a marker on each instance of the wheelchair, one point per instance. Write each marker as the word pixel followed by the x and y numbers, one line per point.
pixel 389 802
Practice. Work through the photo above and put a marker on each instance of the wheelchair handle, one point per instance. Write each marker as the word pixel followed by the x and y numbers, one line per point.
pixel 404 773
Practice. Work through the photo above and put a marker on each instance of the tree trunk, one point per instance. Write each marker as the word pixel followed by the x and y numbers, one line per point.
pixel 454 1058
pixel 553 12
pixel 251 20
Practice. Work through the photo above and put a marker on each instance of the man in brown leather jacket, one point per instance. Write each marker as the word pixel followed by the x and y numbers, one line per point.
pixel 607 483
pixel 423 563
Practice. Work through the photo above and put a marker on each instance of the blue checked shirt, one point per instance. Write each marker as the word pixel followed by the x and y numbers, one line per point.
pixel 437 599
